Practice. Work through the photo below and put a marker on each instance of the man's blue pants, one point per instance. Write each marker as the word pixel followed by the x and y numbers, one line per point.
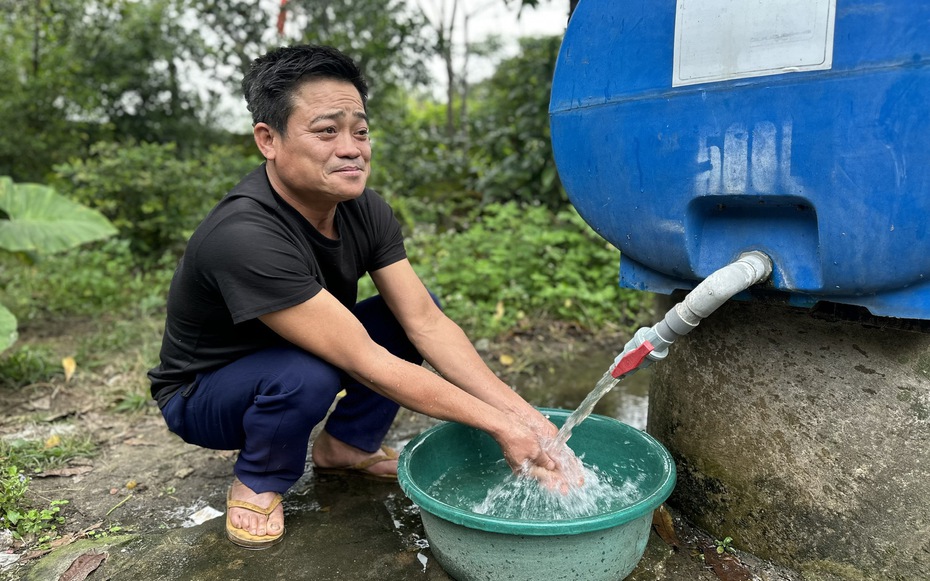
pixel 267 403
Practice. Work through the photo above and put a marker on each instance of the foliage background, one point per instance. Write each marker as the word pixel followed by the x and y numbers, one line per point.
pixel 102 91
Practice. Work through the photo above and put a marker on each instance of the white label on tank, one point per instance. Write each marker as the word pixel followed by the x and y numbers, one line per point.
pixel 717 40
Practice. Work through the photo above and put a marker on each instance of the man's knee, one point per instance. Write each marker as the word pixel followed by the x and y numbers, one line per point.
pixel 301 377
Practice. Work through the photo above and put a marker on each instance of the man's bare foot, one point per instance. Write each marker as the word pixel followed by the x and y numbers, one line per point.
pixel 328 452
pixel 253 522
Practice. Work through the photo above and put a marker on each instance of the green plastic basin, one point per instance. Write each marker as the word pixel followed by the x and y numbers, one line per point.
pixel 473 546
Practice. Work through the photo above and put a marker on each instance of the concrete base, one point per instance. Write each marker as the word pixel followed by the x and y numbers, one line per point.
pixel 805 440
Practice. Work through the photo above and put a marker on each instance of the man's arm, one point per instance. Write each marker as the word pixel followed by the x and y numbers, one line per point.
pixel 324 327
pixel 446 347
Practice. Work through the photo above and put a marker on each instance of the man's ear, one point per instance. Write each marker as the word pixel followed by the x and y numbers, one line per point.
pixel 266 139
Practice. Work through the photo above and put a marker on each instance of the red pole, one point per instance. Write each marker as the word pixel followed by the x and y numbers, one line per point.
pixel 282 15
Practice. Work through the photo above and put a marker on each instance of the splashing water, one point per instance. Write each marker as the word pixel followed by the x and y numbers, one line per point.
pixel 587 490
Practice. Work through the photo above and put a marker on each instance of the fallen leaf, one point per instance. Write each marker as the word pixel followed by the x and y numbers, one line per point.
pixel 67 471
pixel 665 527
pixel 69 365
pixel 58 416
pixel 726 566
pixel 35 554
pixel 506 360
pixel 42 404
pixel 183 472
pixel 92 527
pixel 83 566
pixel 138 442
pixel 499 311
pixel 61 542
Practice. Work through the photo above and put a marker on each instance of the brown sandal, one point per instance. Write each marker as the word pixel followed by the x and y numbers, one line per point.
pixel 361 469
pixel 244 538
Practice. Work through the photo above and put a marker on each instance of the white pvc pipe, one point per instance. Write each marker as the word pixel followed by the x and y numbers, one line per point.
pixel 749 269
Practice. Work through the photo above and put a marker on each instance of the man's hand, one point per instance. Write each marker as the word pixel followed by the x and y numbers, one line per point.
pixel 528 449
pixel 569 471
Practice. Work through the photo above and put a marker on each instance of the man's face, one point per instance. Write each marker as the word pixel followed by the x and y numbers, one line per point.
pixel 326 154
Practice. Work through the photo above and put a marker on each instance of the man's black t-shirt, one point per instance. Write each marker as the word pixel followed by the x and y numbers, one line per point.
pixel 254 254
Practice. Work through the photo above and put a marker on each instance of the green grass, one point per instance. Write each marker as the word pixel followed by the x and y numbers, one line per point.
pixel 38 456
pixel 26 364
pixel 18 513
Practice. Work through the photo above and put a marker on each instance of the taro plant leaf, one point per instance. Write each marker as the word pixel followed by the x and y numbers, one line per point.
pixel 38 219
pixel 8 333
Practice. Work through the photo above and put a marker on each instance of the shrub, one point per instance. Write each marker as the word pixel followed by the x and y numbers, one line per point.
pixel 100 279
pixel 516 263
pixel 153 196
pixel 34 220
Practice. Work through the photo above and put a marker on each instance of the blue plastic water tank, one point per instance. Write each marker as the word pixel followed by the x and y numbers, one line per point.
pixel 688 132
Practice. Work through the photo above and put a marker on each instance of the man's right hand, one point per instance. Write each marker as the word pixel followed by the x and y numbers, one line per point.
pixel 527 452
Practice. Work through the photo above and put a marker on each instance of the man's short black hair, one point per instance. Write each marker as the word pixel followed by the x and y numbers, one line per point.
pixel 274 77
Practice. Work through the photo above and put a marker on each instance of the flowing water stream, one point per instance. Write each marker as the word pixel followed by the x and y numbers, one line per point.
pixel 567 384
pixel 604 384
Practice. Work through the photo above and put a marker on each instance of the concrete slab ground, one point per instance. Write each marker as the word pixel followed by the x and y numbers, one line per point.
pixel 337 529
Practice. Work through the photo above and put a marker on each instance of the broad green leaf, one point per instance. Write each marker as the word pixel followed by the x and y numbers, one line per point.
pixel 8 333
pixel 41 220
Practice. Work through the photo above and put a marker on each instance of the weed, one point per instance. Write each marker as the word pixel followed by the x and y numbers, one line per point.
pixel 101 279
pixel 25 365
pixel 129 402
pixel 21 519
pixel 137 340
pixel 104 533
pixel 55 452
pixel 16 512
pixel 724 546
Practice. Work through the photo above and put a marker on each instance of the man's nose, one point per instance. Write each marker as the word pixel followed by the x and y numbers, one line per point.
pixel 348 146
